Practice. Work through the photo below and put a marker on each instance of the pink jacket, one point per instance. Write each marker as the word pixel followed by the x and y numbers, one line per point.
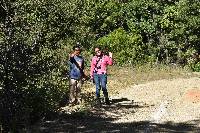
pixel 101 66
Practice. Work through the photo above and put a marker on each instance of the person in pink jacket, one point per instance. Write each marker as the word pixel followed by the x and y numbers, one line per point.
pixel 98 73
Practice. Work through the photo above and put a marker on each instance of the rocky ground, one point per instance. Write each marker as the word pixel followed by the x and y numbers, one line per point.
pixel 157 106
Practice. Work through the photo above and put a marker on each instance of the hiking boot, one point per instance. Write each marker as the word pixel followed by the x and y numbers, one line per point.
pixel 72 103
pixel 98 102
pixel 107 101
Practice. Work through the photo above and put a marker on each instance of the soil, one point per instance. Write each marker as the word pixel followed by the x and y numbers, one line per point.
pixel 158 106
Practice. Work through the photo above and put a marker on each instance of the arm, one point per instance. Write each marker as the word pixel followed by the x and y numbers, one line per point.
pixel 71 58
pixel 109 59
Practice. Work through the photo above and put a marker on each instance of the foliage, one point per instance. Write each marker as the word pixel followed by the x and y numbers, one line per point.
pixel 126 47
pixel 37 36
pixel 34 59
pixel 196 67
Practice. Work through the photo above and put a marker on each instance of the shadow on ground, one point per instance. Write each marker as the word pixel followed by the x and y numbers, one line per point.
pixel 96 122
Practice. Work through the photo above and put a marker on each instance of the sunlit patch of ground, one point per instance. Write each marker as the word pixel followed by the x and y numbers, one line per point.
pixel 193 95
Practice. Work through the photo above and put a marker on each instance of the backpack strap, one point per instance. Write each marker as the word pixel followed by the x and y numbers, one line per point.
pixel 72 60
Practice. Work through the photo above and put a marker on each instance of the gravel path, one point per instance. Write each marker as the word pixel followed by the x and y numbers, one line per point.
pixel 167 100
pixel 158 106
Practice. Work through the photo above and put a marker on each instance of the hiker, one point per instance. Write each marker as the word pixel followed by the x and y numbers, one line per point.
pixel 98 73
pixel 76 74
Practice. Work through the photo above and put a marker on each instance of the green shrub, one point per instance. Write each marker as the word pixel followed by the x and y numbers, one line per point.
pixel 125 46
pixel 196 67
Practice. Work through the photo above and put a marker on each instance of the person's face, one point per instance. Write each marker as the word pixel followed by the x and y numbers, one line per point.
pixel 97 51
pixel 77 51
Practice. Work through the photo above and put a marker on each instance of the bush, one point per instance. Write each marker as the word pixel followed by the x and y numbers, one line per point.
pixel 125 46
pixel 196 67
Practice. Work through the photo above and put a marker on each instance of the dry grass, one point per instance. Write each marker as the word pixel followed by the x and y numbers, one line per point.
pixel 122 77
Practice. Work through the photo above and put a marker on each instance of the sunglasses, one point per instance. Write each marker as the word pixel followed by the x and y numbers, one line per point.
pixel 77 49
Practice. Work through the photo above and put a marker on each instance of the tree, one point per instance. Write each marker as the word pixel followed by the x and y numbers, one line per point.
pixel 35 40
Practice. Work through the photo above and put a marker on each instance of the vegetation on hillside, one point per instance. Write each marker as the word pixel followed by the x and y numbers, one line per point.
pixel 36 37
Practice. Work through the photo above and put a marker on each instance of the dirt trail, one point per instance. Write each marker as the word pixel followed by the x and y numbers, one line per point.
pixel 167 100
pixel 158 106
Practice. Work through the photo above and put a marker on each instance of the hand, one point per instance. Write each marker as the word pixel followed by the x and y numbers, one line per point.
pixel 92 79
pixel 72 55
pixel 110 54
